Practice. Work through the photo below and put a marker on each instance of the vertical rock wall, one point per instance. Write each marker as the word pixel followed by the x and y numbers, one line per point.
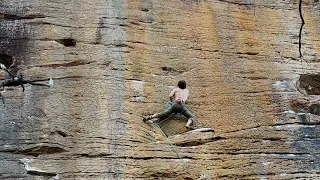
pixel 114 61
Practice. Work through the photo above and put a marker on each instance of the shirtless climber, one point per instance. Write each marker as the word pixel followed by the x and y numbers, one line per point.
pixel 178 98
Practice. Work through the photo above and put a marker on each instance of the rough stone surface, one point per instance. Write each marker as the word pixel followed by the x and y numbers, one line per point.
pixel 114 61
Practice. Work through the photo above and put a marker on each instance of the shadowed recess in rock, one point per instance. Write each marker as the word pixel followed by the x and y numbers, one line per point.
pixel 168 69
pixel 197 142
pixel 6 60
pixel 60 132
pixel 311 83
pixel 41 149
pixel 68 42
pixel 16 17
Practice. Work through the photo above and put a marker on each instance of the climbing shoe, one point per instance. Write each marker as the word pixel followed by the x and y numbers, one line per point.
pixel 190 121
pixel 149 122
pixel 146 118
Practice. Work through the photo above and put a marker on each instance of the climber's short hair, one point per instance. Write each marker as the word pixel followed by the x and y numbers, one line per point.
pixel 182 84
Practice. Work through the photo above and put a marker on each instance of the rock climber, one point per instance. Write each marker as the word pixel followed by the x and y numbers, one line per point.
pixel 178 98
pixel 19 81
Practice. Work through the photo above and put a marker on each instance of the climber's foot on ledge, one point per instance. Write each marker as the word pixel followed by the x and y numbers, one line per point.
pixel 190 128
pixel 146 118
pixel 190 121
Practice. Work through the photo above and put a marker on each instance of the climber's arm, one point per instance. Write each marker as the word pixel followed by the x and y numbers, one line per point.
pixel 36 84
pixel 171 95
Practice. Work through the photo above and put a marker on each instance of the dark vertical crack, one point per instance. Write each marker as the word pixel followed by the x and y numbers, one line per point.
pixel 98 32
pixel 302 23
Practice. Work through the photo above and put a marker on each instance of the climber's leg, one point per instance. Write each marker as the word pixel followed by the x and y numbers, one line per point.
pixel 190 121
pixel 188 115
pixel 159 116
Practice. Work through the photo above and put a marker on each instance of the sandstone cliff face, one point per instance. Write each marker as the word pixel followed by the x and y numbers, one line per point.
pixel 114 61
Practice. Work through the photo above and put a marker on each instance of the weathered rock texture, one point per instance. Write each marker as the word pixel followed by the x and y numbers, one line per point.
pixel 114 61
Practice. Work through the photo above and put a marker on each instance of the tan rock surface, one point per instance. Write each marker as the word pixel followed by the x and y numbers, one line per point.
pixel 114 61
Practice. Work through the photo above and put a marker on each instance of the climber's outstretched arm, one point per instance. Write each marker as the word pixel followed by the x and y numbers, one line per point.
pixel 35 84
